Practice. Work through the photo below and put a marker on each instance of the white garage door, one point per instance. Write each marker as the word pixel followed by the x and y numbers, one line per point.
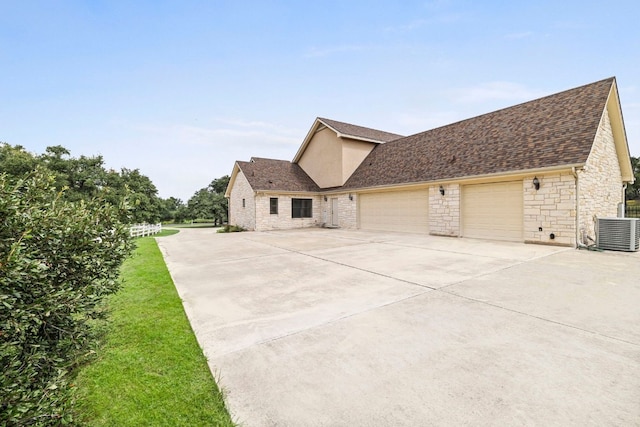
pixel 395 211
pixel 493 211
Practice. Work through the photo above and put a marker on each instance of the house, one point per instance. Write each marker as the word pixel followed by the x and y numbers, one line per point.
pixel 537 172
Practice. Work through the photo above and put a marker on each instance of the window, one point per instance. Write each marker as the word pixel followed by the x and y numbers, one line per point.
pixel 301 208
pixel 273 206
pixel 243 203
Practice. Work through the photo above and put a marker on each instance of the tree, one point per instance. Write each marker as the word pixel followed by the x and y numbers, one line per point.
pixel 633 190
pixel 83 177
pixel 219 185
pixel 173 209
pixel 16 161
pixel 209 202
pixel 142 195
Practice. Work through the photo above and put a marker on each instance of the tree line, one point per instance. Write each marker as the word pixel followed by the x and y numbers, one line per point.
pixel 86 178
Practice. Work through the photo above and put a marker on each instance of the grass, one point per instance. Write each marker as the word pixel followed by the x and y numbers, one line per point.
pixel 166 232
pixel 150 370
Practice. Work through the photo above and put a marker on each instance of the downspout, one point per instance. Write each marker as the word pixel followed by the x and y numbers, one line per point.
pixel 575 175
pixel 624 200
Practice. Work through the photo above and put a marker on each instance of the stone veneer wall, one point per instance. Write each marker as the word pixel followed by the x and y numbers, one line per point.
pixel 552 208
pixel 238 215
pixel 444 211
pixel 347 210
pixel 600 182
pixel 282 220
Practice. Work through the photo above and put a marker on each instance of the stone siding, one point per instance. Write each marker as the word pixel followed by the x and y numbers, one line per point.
pixel 599 183
pixel 347 211
pixel 444 211
pixel 283 220
pixel 244 216
pixel 550 210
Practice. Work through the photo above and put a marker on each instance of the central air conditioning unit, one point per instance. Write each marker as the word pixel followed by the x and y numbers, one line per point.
pixel 619 234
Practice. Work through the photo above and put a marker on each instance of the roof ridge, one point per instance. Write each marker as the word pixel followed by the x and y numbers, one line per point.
pixel 323 119
pixel 508 108
pixel 254 158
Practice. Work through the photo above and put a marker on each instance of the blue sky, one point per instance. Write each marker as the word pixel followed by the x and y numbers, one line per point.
pixel 182 89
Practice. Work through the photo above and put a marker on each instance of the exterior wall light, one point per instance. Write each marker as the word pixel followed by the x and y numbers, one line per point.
pixel 441 190
pixel 536 183
pixel 325 198
pixel 350 196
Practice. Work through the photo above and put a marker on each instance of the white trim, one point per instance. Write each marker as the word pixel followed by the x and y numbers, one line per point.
pixel 358 138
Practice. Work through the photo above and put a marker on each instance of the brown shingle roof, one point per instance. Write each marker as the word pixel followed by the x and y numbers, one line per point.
pixel 281 175
pixel 358 132
pixel 551 131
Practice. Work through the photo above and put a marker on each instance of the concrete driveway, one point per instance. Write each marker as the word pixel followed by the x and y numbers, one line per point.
pixel 350 328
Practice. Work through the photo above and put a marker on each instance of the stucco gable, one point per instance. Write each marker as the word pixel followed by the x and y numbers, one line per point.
pixel 333 150
pixel 345 130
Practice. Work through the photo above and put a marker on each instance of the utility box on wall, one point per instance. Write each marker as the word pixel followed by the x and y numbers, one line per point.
pixel 619 234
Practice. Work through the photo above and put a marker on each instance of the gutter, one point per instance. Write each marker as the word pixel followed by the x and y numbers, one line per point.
pixel 504 176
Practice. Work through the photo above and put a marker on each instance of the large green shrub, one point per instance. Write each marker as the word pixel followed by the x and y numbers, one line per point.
pixel 58 260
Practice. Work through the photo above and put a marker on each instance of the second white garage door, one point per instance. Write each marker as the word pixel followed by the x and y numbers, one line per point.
pixel 395 211
pixel 493 211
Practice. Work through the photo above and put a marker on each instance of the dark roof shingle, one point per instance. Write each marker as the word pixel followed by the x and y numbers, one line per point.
pixel 359 131
pixel 271 174
pixel 552 131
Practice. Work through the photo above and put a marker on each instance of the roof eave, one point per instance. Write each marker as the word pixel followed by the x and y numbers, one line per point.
pixel 504 175
pixel 358 138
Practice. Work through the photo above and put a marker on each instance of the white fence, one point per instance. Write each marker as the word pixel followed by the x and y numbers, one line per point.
pixel 139 230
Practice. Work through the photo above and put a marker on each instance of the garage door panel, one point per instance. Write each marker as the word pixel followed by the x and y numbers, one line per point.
pixel 493 211
pixel 395 211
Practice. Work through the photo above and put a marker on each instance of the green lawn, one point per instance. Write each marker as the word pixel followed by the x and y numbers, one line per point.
pixel 150 370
